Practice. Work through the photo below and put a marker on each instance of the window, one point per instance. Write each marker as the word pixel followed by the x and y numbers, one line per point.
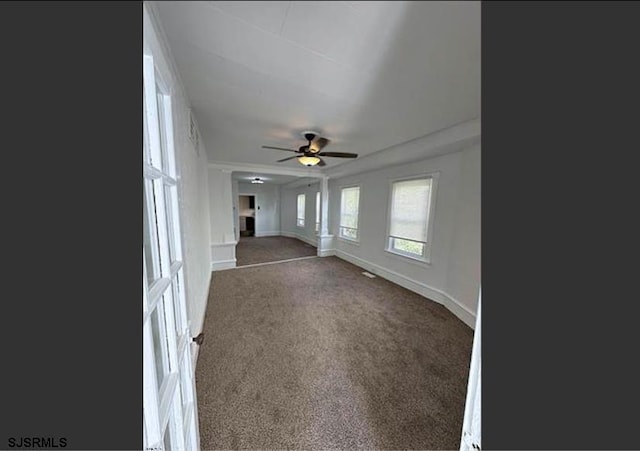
pixel 410 216
pixel 349 206
pixel 300 216
pixel 170 412
pixel 317 211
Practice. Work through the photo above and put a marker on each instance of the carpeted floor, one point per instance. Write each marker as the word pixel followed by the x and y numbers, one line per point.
pixel 252 250
pixel 311 354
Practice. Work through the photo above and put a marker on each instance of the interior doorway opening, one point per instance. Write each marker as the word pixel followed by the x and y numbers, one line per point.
pixel 247 215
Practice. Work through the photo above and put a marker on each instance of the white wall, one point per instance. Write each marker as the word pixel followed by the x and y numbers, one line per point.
pixel 289 205
pixel 463 271
pixel 223 236
pixel 193 193
pixel 267 207
pixel 452 277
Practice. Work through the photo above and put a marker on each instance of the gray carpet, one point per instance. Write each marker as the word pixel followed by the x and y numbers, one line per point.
pixel 311 354
pixel 252 250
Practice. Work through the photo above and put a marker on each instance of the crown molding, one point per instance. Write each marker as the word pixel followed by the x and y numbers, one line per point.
pixel 301 182
pixel 448 140
pixel 264 169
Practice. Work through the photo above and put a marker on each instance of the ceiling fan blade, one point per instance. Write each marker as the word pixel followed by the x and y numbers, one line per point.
pixel 321 162
pixel 279 148
pixel 338 154
pixel 285 159
pixel 321 142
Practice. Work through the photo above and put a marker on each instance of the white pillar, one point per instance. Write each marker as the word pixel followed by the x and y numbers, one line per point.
pixel 325 240
pixel 223 239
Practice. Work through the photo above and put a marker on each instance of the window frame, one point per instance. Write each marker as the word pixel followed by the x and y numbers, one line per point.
pixel 167 409
pixel 300 222
pixel 425 258
pixel 357 229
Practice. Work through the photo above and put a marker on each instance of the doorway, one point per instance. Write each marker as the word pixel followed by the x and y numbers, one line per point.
pixel 170 415
pixel 247 215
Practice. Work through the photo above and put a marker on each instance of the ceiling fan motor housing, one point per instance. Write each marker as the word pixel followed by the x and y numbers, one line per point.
pixel 309 135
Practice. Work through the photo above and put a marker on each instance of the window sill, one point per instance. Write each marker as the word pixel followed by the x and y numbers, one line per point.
pixel 349 240
pixel 409 259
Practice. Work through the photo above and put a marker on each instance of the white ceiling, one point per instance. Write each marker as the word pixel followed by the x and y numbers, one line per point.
pixel 366 75
pixel 275 179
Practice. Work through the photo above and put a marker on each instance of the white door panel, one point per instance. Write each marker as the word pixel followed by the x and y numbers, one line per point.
pixel 170 411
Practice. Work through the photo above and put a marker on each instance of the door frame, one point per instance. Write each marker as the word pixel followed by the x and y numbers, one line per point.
pixel 170 418
pixel 255 210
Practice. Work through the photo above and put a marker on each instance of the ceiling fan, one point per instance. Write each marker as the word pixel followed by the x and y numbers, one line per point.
pixel 311 153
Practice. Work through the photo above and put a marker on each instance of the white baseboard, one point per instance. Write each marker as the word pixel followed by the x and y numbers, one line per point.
pixel 223 264
pixel 261 234
pixel 327 253
pixel 226 244
pixel 195 349
pixel 307 240
pixel 439 296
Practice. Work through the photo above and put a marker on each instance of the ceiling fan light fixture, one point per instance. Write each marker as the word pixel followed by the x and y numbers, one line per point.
pixel 257 180
pixel 308 161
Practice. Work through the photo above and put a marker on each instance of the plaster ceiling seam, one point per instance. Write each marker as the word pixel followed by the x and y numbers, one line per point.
pixel 286 14
pixel 300 46
pixel 262 74
pixel 188 43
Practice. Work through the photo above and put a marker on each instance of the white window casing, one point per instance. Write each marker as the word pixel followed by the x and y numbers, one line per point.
pixel 411 209
pixel 349 212
pixel 300 203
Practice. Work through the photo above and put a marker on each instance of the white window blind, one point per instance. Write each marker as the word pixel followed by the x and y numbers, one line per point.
pixel 300 215
pixel 410 209
pixel 349 204
pixel 410 204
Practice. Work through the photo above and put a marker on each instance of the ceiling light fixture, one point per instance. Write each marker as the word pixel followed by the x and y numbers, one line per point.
pixel 257 180
pixel 309 161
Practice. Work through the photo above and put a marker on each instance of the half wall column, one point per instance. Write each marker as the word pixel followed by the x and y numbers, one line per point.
pixel 325 240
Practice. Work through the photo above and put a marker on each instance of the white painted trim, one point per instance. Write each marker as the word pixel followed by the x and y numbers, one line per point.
pixel 445 141
pixel 408 259
pixel 326 245
pixel 277 261
pixel 439 296
pixel 348 240
pixel 263 234
pixel 341 188
pixel 221 265
pixel 433 192
pixel 472 422
pixel 230 243
pixel 300 237
pixel 265 169
pixel 303 181
pixel 195 349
